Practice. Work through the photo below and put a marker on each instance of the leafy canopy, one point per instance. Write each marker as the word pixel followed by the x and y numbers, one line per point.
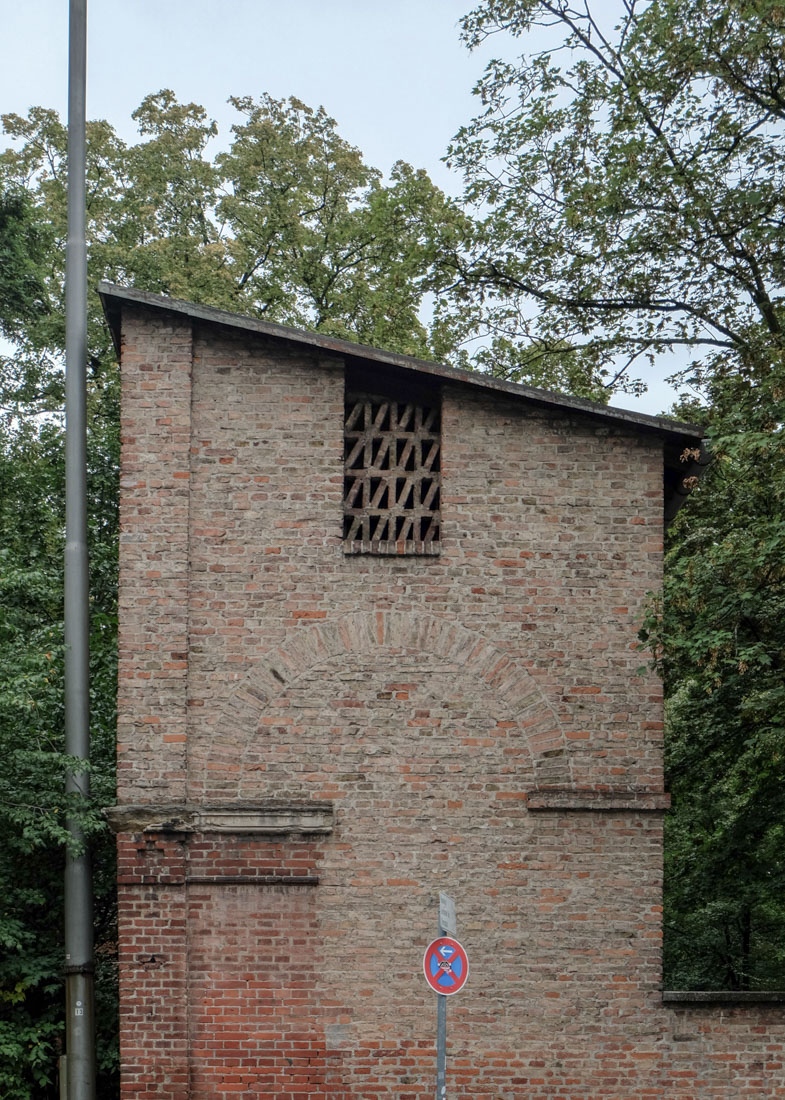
pixel 718 638
pixel 289 223
pixel 633 184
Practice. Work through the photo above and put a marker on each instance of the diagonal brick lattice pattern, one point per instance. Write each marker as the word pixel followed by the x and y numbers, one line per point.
pixel 391 476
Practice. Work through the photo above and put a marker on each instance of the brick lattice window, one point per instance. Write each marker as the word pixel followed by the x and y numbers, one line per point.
pixel 391 476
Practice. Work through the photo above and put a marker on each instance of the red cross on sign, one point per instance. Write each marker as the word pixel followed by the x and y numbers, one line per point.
pixel 446 966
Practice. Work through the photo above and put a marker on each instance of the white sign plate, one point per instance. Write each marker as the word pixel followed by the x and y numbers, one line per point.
pixel 447 921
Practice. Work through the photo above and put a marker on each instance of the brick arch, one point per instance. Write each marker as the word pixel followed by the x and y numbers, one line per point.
pixel 390 633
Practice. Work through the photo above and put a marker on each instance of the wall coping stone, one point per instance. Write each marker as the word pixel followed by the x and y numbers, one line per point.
pixel 723 996
pixel 267 817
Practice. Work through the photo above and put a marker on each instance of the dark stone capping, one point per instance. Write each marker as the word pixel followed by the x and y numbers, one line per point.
pixel 723 997
pixel 253 880
pixel 591 801
pixel 266 818
pixel 113 298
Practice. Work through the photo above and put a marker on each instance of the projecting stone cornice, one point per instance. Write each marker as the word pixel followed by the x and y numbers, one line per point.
pixel 269 817
pixel 606 801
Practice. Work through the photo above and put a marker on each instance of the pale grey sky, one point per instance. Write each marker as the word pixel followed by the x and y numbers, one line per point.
pixel 393 73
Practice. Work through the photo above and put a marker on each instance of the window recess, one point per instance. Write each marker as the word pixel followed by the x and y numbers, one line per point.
pixel 392 475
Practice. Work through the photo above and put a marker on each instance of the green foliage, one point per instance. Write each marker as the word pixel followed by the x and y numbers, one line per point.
pixel 289 223
pixel 316 239
pixel 719 641
pixel 22 247
pixel 634 184
pixel 33 805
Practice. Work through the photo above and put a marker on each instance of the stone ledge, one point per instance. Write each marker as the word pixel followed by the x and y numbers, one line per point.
pixel 723 997
pixel 252 880
pixel 604 801
pixel 264 818
pixel 403 548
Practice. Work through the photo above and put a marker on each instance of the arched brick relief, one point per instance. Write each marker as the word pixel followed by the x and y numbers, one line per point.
pixel 365 636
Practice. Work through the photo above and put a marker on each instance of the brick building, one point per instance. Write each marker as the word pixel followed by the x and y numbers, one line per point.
pixel 377 640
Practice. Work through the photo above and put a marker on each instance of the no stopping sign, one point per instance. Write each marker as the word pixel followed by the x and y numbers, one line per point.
pixel 446 966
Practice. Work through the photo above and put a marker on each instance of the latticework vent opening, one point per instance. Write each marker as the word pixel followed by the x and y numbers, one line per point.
pixel 391 476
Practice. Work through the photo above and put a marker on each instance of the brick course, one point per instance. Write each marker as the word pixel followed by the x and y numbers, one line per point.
pixel 475 719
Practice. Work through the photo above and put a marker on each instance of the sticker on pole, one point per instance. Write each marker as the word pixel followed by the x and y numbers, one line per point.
pixel 446 966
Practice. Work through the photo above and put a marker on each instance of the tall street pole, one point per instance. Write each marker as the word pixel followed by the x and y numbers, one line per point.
pixel 448 926
pixel 441 1028
pixel 80 1017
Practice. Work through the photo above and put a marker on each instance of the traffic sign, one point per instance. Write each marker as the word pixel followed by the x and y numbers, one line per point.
pixel 446 966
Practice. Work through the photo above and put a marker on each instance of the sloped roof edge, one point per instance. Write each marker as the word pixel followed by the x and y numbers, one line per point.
pixel 675 432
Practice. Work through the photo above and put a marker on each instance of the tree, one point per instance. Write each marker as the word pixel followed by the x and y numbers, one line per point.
pixel 289 224
pixel 632 177
pixel 718 639
pixel 22 248
pixel 32 802
pixel 635 185
pixel 316 239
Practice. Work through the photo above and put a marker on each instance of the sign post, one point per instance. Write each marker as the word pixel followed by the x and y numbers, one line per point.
pixel 441 1048
pixel 446 968
pixel 447 927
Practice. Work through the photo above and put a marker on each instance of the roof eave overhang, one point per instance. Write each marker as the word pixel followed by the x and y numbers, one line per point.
pixel 679 439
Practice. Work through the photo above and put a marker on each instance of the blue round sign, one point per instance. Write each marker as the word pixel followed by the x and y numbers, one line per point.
pixel 446 966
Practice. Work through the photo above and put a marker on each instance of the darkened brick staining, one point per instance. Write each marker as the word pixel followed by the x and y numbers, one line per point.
pixel 312 744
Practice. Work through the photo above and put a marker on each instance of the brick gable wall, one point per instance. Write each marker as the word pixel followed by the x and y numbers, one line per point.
pixel 366 731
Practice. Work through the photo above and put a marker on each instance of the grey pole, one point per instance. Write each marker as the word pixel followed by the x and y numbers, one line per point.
pixel 441 1030
pixel 80 1026
pixel 441 1045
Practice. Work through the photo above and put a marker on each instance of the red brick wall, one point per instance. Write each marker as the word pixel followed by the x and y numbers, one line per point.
pixel 425 698
pixel 153 597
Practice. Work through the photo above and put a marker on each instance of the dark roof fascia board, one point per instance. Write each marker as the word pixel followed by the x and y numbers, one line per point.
pixel 113 296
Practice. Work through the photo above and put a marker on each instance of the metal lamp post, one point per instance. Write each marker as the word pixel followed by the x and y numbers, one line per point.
pixel 80 1026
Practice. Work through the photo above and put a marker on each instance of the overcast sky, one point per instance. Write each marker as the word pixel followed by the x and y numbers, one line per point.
pixel 393 73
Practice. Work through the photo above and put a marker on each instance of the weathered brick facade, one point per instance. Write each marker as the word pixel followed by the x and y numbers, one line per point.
pixel 312 743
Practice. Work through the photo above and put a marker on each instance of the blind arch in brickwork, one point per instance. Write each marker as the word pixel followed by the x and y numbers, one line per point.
pixel 519 698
